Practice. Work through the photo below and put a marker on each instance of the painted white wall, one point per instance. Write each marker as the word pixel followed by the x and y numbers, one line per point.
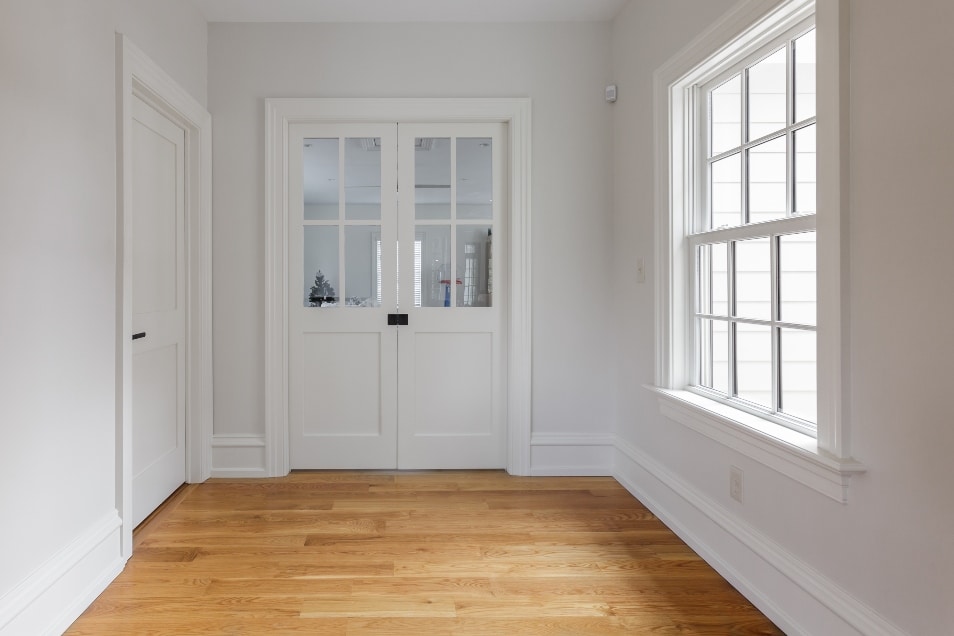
pixel 891 545
pixel 58 418
pixel 562 67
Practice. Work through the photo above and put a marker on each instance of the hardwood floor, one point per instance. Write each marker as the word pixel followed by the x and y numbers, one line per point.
pixel 414 553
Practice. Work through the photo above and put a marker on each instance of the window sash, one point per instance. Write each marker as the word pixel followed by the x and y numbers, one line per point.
pixel 700 235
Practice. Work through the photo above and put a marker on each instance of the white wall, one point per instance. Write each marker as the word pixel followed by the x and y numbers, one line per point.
pixel 891 546
pixel 562 67
pixel 58 260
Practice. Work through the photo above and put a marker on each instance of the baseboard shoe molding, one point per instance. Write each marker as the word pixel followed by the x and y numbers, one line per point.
pixel 571 455
pixel 54 596
pixel 239 456
pixel 799 599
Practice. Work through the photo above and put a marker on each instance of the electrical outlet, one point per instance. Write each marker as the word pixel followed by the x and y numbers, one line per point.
pixel 735 483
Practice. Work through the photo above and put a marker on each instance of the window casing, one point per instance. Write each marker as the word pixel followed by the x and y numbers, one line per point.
pixel 747 33
pixel 751 233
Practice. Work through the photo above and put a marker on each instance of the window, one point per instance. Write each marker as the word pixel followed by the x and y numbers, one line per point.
pixel 751 348
pixel 752 233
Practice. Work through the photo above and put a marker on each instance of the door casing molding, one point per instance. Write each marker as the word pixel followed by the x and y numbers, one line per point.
pixel 137 75
pixel 280 113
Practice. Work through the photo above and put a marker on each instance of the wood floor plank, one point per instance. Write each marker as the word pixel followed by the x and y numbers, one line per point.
pixel 416 553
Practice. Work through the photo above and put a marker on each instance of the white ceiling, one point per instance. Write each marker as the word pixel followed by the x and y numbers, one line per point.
pixel 409 10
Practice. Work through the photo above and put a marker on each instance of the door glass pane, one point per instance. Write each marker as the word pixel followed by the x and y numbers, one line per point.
pixel 768 180
pixel 321 265
pixel 753 362
pixel 753 279
pixel 362 265
pixel 473 265
pixel 767 96
pixel 726 116
pixel 797 278
pixel 726 195
pixel 714 354
pixel 435 273
pixel 321 179
pixel 432 178
pixel 363 179
pixel 805 76
pixel 475 188
pixel 799 374
pixel 805 168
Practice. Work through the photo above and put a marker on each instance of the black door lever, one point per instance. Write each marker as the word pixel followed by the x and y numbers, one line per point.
pixel 397 319
pixel 137 336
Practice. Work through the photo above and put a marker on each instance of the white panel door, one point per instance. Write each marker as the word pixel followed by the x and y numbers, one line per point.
pixel 451 368
pixel 342 281
pixel 158 304
pixel 429 392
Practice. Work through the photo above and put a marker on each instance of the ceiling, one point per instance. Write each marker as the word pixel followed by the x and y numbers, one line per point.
pixel 409 10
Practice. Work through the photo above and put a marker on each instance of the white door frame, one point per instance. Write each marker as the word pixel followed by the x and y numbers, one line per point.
pixel 282 112
pixel 139 76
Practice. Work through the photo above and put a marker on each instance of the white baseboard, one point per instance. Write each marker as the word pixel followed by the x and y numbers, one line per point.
pixel 238 456
pixel 561 454
pixel 56 594
pixel 795 596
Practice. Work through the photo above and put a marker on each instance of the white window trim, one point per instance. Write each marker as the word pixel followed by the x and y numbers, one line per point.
pixel 823 463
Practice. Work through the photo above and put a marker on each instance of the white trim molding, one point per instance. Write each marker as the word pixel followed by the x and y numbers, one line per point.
pixel 791 593
pixel 238 456
pixel 825 463
pixel 282 112
pixel 56 594
pixel 571 454
pixel 139 76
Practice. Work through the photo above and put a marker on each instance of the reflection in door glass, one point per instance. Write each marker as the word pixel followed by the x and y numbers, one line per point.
pixel 363 179
pixel 362 265
pixel 474 262
pixel 432 178
pixel 321 265
pixel 320 179
pixel 475 188
pixel 435 273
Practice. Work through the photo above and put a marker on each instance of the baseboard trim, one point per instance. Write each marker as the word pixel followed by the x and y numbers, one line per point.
pixel 241 456
pixel 54 596
pixel 799 599
pixel 571 455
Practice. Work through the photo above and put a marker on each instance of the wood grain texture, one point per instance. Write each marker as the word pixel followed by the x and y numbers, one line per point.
pixel 427 553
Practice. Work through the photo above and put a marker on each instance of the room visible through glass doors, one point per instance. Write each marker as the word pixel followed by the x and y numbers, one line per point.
pixel 396 355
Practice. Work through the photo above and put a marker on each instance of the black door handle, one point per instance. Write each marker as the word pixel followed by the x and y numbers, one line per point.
pixel 397 319
pixel 137 336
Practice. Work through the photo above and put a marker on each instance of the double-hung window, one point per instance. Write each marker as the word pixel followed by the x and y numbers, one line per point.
pixel 751 316
pixel 752 234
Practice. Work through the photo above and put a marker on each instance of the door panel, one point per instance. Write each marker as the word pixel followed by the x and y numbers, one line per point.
pixel 158 300
pixel 342 411
pixel 451 371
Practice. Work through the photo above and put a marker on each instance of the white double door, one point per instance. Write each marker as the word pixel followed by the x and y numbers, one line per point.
pixel 397 297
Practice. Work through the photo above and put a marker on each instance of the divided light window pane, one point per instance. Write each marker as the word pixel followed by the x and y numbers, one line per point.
pixel 805 76
pixel 726 116
pixel 768 180
pixel 753 362
pixel 797 278
pixel 799 374
pixel 767 95
pixel 726 192
pixel 805 167
pixel 753 279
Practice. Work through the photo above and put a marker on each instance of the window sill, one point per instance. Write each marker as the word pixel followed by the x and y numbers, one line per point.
pixel 786 451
